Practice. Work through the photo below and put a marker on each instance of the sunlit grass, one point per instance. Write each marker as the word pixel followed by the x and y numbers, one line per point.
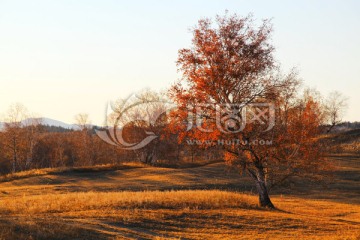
pixel 192 214
pixel 45 171
pixel 125 202
pixel 83 201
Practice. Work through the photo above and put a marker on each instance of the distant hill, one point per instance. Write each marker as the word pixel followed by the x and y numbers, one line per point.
pixel 55 123
pixel 47 122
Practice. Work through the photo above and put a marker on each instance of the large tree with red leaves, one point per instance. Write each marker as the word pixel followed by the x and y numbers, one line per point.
pixel 233 92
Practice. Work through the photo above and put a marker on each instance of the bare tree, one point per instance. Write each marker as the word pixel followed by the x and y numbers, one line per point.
pixel 86 148
pixel 335 107
pixel 19 136
pixel 82 120
pixel 141 119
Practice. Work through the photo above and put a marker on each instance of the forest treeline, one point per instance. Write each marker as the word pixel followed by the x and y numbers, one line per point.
pixel 34 146
pixel 25 147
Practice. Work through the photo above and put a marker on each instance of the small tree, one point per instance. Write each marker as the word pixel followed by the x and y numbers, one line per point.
pixel 140 120
pixel 335 106
pixel 84 140
pixel 19 136
pixel 82 120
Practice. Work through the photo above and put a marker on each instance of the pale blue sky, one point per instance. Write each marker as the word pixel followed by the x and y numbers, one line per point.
pixel 60 58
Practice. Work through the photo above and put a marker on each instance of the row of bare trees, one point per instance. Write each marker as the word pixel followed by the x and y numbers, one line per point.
pixel 26 143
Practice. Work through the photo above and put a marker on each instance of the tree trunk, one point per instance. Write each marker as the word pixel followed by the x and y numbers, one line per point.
pixel 14 160
pixel 264 199
pixel 330 128
pixel 260 181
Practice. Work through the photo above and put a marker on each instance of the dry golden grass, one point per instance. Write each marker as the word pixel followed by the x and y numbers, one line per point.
pixel 45 171
pixel 192 214
pixel 351 148
pixel 344 142
pixel 97 204
pixel 84 201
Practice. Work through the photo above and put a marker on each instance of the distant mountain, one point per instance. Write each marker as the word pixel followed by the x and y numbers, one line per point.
pixel 46 121
pixel 53 122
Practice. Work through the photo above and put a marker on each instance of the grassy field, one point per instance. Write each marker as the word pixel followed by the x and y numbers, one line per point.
pixel 208 202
